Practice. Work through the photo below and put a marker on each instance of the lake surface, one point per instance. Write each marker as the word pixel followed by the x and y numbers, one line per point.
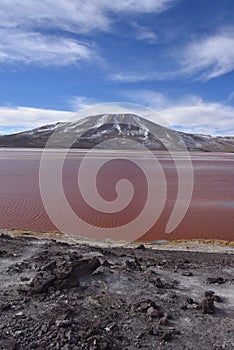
pixel 209 216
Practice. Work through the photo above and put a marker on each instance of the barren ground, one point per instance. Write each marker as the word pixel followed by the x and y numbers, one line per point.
pixel 55 295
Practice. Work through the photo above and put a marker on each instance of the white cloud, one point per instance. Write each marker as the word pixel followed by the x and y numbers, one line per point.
pixel 25 25
pixel 203 59
pixel 157 100
pixel 230 97
pixel 144 33
pixel 190 113
pixel 34 47
pixel 128 77
pixel 136 76
pixel 79 103
pixel 16 119
pixel 209 57
pixel 134 6
pixel 22 118
pixel 205 117
pixel 73 15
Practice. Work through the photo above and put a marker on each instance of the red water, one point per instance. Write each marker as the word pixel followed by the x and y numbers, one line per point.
pixel 210 213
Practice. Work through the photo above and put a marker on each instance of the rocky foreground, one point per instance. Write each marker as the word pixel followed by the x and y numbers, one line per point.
pixel 61 296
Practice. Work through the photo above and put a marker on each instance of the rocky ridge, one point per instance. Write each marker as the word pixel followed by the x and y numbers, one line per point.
pixel 119 128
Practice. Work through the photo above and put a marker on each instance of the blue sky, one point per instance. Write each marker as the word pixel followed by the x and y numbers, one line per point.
pixel 174 56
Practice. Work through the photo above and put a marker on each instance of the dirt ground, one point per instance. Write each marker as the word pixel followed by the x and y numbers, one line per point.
pixel 55 295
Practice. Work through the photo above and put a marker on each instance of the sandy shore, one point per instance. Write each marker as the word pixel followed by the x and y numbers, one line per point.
pixel 89 295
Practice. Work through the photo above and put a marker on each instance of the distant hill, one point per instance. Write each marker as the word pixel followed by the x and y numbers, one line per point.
pixel 95 129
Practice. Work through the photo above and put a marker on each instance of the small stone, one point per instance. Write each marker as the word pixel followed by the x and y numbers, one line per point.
pixel 152 312
pixel 207 306
pixel 81 334
pixel 216 280
pixel 187 274
pixel 103 346
pixel 217 298
pixel 209 293
pixel 141 247
pixel 163 321
pixel 63 323
pixel 190 301
pixel 19 314
pixel 167 336
pixel 158 283
pixel 184 307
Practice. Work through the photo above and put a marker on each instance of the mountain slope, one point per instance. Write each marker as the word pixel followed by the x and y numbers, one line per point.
pixel 94 130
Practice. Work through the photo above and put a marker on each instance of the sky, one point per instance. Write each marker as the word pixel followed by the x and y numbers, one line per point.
pixel 173 56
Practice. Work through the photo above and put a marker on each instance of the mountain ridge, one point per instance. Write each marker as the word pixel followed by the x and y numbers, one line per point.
pixel 93 130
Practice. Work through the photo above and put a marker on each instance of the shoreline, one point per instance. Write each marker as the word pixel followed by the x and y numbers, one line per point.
pixel 194 245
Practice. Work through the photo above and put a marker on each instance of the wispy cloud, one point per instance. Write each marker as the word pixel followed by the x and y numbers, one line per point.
pixel 209 57
pixel 136 76
pixel 73 15
pixel 25 26
pixel 202 59
pixel 79 103
pixel 152 99
pixel 29 47
pixel 128 77
pixel 144 33
pixel 230 97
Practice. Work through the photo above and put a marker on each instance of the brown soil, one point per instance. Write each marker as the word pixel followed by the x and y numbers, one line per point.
pixel 60 296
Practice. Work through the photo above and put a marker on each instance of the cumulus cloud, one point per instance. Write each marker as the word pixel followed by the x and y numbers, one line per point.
pixel 189 114
pixel 204 117
pixel 14 119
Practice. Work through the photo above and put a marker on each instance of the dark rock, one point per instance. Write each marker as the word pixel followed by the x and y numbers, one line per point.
pixel 158 283
pixel 66 275
pixel 187 273
pixel 41 282
pixel 5 307
pixel 63 323
pixel 209 293
pixel 164 320
pixel 207 306
pixel 141 247
pixel 190 301
pixel 216 280
pixel 152 312
pixel 167 336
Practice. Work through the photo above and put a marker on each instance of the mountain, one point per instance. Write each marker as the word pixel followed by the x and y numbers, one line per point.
pixel 118 128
